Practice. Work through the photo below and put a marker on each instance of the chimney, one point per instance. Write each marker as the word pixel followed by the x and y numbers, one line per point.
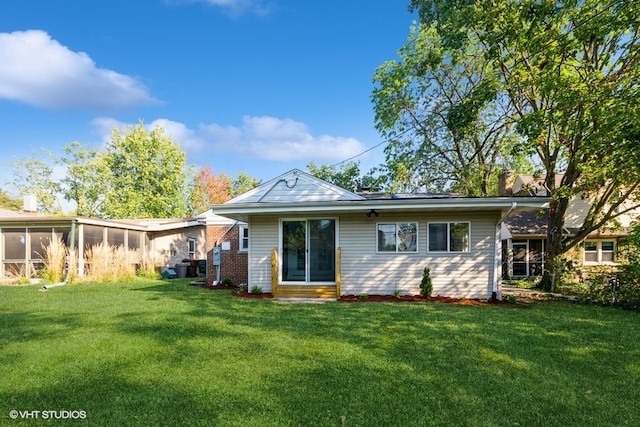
pixel 30 203
pixel 505 183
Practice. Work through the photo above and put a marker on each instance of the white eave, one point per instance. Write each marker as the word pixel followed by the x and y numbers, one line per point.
pixel 242 211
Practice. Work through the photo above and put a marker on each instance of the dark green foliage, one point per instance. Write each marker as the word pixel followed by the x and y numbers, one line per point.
pixel 426 285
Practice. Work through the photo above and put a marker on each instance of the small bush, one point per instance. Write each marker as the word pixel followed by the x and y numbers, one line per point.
pixel 255 289
pixel 522 283
pixel 226 282
pixel 426 286
pixel 363 296
pixel 148 273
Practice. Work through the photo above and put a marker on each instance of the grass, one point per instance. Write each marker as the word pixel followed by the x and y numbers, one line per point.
pixel 167 353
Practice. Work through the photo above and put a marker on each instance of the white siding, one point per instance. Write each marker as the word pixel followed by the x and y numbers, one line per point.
pixel 467 275
pixel 454 274
pixel 263 238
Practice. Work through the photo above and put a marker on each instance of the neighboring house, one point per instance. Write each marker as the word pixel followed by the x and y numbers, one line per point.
pixel 309 238
pixel 159 242
pixel 525 243
pixel 231 238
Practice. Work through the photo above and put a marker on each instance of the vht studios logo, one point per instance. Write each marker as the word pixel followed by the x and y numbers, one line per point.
pixel 48 415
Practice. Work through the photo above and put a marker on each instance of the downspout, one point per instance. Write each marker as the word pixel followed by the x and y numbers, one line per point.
pixel 72 247
pixel 498 252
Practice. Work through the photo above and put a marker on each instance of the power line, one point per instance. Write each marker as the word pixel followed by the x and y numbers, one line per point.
pixel 360 154
pixel 386 141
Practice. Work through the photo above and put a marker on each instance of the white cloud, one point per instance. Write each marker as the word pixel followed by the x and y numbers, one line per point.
pixel 39 71
pixel 179 132
pixel 235 7
pixel 260 138
pixel 276 139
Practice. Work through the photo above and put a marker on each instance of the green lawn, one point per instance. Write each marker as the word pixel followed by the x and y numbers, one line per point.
pixel 167 353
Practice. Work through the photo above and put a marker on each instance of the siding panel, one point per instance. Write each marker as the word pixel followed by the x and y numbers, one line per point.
pixel 460 275
pixel 263 238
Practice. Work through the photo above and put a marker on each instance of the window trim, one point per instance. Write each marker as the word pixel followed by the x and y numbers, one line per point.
pixel 448 250
pixel 306 220
pixel 599 251
pixel 192 241
pixel 241 238
pixel 397 239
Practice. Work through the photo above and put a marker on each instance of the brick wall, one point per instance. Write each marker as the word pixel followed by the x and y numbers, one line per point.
pixel 234 262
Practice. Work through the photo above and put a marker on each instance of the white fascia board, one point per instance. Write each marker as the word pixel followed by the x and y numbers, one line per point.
pixel 444 204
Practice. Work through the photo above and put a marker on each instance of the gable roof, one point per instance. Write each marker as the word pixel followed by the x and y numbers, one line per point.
pixel 299 193
pixel 295 186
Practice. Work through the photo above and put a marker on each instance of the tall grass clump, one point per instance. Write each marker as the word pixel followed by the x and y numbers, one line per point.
pixel 55 256
pixel 72 266
pixel 150 268
pixel 106 263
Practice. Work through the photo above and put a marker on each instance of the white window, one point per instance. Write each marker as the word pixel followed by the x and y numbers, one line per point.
pixel 599 251
pixel 448 236
pixel 398 237
pixel 244 238
pixel 191 248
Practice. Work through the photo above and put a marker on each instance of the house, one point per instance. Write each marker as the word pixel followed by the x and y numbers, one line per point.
pixel 309 238
pixel 525 241
pixel 159 242
pixel 230 240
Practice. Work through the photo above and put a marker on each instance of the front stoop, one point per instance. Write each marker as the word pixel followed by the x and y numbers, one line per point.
pixel 306 292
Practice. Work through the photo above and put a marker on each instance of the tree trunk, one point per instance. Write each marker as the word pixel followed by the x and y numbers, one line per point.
pixel 555 243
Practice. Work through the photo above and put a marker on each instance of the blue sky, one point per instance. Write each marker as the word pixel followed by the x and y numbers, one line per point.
pixel 254 86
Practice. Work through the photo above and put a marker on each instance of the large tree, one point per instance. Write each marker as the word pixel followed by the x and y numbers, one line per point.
pixel 243 183
pixel 86 180
pixel 35 176
pixel 449 128
pixel 147 175
pixel 209 189
pixel 346 175
pixel 571 71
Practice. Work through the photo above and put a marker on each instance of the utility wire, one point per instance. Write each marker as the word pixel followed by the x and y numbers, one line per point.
pixel 386 141
pixel 623 3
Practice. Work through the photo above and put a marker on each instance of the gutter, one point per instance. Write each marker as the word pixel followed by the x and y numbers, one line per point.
pixel 498 252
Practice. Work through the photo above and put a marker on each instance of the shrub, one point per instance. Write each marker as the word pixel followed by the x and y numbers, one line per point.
pixel 255 289
pixel 108 263
pixel 226 282
pixel 426 285
pixel 55 255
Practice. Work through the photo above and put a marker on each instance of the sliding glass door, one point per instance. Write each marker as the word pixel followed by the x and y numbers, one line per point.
pixel 308 250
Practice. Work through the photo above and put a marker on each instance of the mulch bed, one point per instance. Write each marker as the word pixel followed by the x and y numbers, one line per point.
pixel 521 301
pixel 247 294
pixel 418 298
pixel 379 298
